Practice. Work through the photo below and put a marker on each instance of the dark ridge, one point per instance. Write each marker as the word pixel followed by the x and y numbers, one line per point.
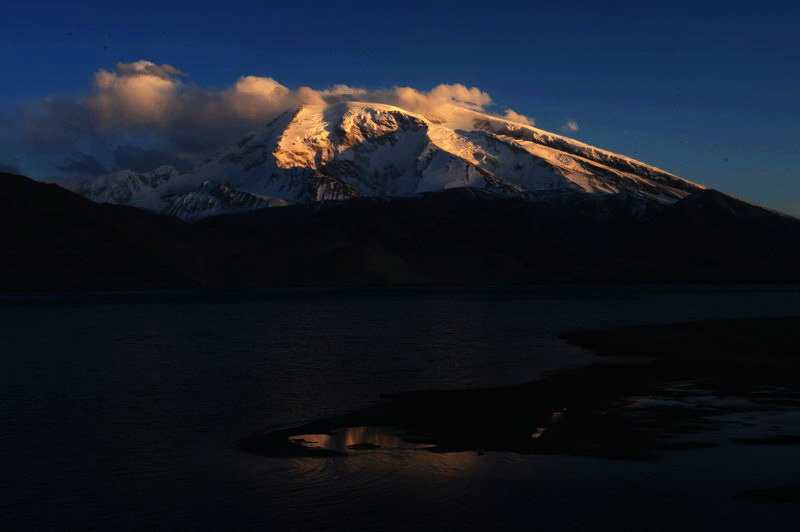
pixel 57 240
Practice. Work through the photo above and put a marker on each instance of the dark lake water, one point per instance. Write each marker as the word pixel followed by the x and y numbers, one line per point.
pixel 125 410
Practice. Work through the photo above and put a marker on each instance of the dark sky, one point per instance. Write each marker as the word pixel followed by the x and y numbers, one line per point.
pixel 706 90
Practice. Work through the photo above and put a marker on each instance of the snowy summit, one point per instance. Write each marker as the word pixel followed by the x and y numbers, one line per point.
pixel 357 149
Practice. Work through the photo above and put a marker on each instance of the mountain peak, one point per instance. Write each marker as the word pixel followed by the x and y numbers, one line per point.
pixel 362 149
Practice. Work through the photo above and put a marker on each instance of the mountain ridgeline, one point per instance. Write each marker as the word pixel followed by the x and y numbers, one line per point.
pixel 354 150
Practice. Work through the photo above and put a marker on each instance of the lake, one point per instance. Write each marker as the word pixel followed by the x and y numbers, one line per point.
pixel 124 410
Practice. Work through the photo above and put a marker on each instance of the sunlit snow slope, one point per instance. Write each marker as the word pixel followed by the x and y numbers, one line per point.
pixel 364 149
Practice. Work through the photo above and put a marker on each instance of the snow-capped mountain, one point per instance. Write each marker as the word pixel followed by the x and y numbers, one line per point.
pixel 126 187
pixel 364 149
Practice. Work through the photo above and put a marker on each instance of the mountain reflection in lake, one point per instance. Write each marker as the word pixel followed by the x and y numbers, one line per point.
pixel 127 410
pixel 357 439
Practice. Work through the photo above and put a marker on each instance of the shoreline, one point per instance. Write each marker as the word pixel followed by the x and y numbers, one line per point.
pixel 622 407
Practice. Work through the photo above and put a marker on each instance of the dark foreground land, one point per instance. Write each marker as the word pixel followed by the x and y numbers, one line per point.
pixel 58 240
pixel 658 388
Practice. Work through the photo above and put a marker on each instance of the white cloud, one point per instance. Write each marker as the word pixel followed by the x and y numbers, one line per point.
pixel 142 99
pixel 517 117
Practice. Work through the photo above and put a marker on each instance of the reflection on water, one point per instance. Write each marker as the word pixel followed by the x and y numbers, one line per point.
pixel 125 410
pixel 351 439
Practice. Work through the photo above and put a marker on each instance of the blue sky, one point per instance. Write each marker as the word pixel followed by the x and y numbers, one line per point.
pixel 706 90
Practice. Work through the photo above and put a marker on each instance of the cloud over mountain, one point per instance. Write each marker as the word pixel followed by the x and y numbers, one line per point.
pixel 156 110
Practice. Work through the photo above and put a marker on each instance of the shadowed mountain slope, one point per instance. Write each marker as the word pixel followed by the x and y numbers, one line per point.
pixel 465 236
pixel 55 239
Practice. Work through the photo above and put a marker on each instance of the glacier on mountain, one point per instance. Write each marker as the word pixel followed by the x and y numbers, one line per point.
pixel 357 149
